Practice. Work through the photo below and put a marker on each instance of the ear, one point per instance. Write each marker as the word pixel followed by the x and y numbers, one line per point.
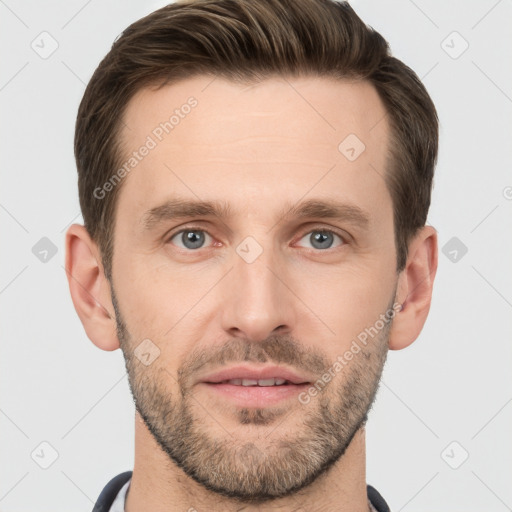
pixel 414 289
pixel 90 289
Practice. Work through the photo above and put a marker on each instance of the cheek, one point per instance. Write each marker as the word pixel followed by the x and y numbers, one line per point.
pixel 177 305
pixel 149 299
pixel 165 303
pixel 348 300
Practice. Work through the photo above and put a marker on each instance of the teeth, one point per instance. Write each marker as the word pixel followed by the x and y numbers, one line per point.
pixel 249 382
pixel 254 382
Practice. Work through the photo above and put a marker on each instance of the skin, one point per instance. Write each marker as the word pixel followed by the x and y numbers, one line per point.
pixel 256 147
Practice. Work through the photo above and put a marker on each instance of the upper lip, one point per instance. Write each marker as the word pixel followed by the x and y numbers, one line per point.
pixel 255 373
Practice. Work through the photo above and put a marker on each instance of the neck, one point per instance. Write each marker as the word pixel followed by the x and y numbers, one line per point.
pixel 159 485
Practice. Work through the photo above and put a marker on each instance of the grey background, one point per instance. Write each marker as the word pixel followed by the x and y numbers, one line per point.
pixel 452 385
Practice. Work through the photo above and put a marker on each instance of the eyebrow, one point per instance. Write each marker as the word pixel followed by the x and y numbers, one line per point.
pixel 318 208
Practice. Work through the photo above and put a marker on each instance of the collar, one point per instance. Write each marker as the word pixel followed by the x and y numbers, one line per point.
pixel 117 487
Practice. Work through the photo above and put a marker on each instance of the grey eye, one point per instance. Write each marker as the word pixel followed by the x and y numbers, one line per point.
pixel 190 239
pixel 321 239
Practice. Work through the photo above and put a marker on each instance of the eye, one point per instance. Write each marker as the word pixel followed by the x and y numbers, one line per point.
pixel 322 238
pixel 190 238
pixel 194 238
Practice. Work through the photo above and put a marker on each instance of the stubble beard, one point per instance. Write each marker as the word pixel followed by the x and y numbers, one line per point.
pixel 276 463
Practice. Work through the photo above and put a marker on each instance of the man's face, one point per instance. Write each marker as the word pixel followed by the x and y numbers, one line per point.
pixel 262 284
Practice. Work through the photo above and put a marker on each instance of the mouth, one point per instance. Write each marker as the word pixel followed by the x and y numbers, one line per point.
pixel 256 382
pixel 255 387
pixel 244 375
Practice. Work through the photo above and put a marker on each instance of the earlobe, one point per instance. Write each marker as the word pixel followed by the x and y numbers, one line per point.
pixel 414 290
pixel 89 288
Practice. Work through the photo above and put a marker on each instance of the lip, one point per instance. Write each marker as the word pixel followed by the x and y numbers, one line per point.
pixel 252 372
pixel 254 396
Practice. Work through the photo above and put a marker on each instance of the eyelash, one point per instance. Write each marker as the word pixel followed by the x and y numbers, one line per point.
pixel 318 229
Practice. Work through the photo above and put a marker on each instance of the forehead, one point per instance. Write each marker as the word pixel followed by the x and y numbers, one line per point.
pixel 255 145
pixel 324 109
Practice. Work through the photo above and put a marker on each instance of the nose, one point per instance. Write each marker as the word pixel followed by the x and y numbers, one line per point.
pixel 256 301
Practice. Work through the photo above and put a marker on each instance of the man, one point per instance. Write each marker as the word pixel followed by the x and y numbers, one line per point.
pixel 255 179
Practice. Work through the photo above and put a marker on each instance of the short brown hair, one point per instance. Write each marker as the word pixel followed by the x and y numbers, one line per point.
pixel 247 41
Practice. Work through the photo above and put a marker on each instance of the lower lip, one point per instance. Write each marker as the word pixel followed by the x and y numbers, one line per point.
pixel 256 396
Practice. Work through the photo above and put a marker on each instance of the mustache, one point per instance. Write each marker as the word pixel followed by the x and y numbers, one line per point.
pixel 276 349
